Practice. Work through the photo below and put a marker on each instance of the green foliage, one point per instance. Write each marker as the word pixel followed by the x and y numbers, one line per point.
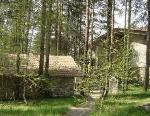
pixel 36 44
pixel 42 84
pixel 122 64
pixel 95 79
pixel 121 67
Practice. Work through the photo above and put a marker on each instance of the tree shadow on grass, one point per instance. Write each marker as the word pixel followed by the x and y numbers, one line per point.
pixel 49 107
pixel 43 111
pixel 133 95
pixel 130 111
pixel 122 108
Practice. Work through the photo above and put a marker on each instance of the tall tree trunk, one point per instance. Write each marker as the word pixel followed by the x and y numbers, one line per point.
pixel 146 83
pixel 129 20
pixel 109 39
pixel 58 25
pixel 18 32
pixel 92 31
pixel 60 28
pixel 80 29
pixel 128 44
pixel 68 27
pixel 42 38
pixel 109 30
pixel 86 37
pixel 48 37
pixel 113 18
pixel 76 15
pixel 125 46
pixel 18 41
pixel 28 25
pixel 125 23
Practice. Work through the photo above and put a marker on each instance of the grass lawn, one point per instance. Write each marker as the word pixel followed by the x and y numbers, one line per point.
pixel 47 107
pixel 124 104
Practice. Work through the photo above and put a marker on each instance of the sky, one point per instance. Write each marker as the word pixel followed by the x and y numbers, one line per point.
pixel 120 19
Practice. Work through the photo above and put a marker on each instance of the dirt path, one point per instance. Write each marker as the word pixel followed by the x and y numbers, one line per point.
pixel 83 110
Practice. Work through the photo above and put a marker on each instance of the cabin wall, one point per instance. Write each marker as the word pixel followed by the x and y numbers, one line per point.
pixel 62 86
pixel 13 88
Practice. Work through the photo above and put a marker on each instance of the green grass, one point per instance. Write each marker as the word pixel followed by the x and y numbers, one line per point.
pixel 47 107
pixel 124 104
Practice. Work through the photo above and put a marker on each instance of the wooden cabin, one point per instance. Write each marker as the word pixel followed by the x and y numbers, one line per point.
pixel 63 72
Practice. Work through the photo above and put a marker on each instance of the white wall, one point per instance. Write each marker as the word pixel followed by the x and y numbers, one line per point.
pixel 139 59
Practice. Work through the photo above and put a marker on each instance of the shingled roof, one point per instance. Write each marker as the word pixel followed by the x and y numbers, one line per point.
pixel 63 66
pixel 58 65
pixel 118 32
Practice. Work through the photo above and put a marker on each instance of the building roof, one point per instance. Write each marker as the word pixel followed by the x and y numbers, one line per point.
pixel 118 32
pixel 137 42
pixel 63 66
pixel 133 31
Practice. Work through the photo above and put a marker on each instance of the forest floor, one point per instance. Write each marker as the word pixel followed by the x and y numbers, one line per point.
pixel 128 104
pixel 46 107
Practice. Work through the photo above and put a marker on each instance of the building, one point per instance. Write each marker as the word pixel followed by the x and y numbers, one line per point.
pixel 137 43
pixel 63 72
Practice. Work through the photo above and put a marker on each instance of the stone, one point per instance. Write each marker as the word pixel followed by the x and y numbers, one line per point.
pixel 113 85
pixel 145 107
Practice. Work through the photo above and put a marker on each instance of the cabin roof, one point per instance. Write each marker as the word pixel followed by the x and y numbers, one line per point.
pixel 63 66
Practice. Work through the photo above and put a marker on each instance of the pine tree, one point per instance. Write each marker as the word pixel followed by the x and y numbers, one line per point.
pixel 146 82
pixel 48 36
pixel 87 23
pixel 42 38
pixel 109 39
